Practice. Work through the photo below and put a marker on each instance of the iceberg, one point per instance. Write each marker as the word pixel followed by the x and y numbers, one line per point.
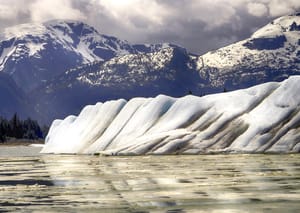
pixel 261 119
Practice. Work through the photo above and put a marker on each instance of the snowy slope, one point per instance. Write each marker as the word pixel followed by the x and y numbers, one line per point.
pixel 264 118
pixel 34 53
pixel 271 53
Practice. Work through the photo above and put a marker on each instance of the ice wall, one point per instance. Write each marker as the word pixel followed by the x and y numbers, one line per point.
pixel 264 118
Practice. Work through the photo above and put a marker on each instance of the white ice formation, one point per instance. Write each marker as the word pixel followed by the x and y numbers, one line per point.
pixel 261 119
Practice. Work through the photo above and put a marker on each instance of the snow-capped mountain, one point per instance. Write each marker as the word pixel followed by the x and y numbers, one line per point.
pixel 169 71
pixel 66 65
pixel 271 53
pixel 264 118
pixel 34 53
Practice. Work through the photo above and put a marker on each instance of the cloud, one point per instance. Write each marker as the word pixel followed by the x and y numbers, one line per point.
pixel 280 7
pixel 177 21
pixel 129 10
pixel 6 12
pixel 199 25
pixel 10 10
pixel 159 13
pixel 257 9
pixel 43 10
pixel 13 12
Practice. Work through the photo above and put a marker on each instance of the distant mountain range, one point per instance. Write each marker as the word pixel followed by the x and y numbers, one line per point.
pixel 61 66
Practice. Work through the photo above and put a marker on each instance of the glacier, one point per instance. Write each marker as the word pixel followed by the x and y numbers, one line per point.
pixel 261 119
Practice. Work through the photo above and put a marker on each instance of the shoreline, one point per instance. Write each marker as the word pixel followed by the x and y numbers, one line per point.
pixel 21 142
pixel 21 148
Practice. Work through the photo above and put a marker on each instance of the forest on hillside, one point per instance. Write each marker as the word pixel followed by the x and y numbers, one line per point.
pixel 21 129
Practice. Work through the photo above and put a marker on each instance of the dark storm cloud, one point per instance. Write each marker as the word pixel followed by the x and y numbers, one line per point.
pixel 199 25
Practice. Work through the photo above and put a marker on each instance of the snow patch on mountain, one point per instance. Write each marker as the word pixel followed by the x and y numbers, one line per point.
pixel 6 52
pixel 281 25
pixel 35 48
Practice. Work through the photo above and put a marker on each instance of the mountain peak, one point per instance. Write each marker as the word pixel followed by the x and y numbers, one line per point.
pixel 41 28
pixel 71 26
pixel 270 54
pixel 280 26
pixel 63 22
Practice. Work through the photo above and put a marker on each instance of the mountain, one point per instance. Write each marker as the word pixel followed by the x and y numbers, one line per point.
pixel 32 54
pixel 66 65
pixel 270 54
pixel 13 99
pixel 261 119
pixel 167 71
pixel 36 52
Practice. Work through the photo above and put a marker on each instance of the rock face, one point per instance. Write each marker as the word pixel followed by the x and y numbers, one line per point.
pixel 264 118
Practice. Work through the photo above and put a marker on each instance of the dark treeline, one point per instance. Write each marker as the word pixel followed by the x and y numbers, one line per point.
pixel 20 129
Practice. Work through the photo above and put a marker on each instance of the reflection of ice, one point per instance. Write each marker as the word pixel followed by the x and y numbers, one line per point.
pixel 234 183
pixel 159 181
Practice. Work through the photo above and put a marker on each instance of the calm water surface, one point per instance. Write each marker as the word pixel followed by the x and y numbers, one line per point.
pixel 207 183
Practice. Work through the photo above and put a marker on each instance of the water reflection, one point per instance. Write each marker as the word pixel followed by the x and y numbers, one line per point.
pixel 208 183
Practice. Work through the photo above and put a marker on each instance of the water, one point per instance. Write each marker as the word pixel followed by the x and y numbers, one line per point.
pixel 174 184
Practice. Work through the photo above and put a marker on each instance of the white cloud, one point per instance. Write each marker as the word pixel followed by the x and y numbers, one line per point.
pixel 257 9
pixel 283 7
pixel 196 24
pixel 212 12
pixel 6 12
pixel 132 12
pixel 43 10
pixel 9 10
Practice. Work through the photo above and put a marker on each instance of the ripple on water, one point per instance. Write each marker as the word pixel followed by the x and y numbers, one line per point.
pixel 207 183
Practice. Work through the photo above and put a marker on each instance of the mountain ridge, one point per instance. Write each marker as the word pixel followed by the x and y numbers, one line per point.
pixel 271 53
pixel 32 53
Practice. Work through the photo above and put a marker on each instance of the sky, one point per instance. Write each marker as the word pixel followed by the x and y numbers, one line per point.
pixel 198 25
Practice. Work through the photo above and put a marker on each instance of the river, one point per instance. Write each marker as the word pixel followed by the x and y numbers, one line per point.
pixel 174 184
